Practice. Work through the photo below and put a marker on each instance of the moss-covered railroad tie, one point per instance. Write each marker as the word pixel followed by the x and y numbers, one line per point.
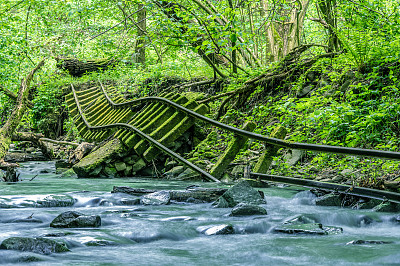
pixel 162 122
pixel 230 152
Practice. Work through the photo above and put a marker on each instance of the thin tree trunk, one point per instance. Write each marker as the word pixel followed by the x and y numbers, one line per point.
pixel 140 50
pixel 7 131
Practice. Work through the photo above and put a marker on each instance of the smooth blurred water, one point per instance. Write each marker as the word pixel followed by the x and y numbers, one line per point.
pixel 167 235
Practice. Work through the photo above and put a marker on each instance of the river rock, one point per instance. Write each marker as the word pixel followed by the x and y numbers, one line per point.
pixel 188 174
pixel 301 219
pixel 129 202
pixel 368 242
pixel 157 198
pixel 36 245
pixel 197 194
pixel 240 193
pixel 387 207
pixel 97 243
pixel 62 164
pixel 395 219
pixel 243 209
pixel 18 157
pixel 331 199
pixel 309 228
pixel 120 166
pixel 72 219
pixel 56 201
pixel 223 229
pixel 177 170
pixel 140 164
pixel 110 171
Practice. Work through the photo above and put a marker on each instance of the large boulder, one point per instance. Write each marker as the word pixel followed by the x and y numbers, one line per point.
pixel 243 209
pixel 36 245
pixel 240 193
pixel 72 219
pixel 93 164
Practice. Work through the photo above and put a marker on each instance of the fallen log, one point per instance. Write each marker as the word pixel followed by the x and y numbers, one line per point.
pixel 78 68
pixel 7 131
pixel 39 141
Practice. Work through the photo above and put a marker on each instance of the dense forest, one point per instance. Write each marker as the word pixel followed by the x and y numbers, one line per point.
pixel 325 70
pixel 200 132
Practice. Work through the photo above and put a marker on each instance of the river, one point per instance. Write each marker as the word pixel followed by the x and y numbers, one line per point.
pixel 168 234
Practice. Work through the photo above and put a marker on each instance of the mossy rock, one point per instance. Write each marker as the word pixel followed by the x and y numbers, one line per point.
pixel 240 193
pixel 69 173
pixel 36 245
pixel 89 166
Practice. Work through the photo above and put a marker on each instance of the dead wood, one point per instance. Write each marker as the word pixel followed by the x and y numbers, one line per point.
pixel 78 68
pixel 289 69
pixel 81 151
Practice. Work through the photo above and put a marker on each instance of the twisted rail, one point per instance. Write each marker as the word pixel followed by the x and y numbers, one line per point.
pixel 370 193
pixel 251 135
pixel 143 135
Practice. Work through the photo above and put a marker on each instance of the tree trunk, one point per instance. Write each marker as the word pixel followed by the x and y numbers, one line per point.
pixel 7 131
pixel 284 36
pixel 140 49
pixel 328 14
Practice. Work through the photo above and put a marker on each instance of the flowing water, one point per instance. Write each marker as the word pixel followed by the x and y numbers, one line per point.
pixel 167 235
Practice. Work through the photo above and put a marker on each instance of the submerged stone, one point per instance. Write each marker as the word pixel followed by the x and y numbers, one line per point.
pixel 240 193
pixel 309 229
pixel 223 229
pixel 301 219
pixel 157 198
pixel 56 201
pixel 243 209
pixel 368 242
pixel 36 245
pixel 97 243
pixel 72 219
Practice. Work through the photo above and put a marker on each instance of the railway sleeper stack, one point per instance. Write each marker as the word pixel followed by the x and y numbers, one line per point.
pixel 124 153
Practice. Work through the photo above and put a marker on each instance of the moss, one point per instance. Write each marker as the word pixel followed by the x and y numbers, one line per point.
pixel 265 160
pixel 176 132
pixel 89 163
pixel 231 151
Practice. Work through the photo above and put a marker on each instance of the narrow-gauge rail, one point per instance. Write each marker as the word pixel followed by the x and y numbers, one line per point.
pixel 165 118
